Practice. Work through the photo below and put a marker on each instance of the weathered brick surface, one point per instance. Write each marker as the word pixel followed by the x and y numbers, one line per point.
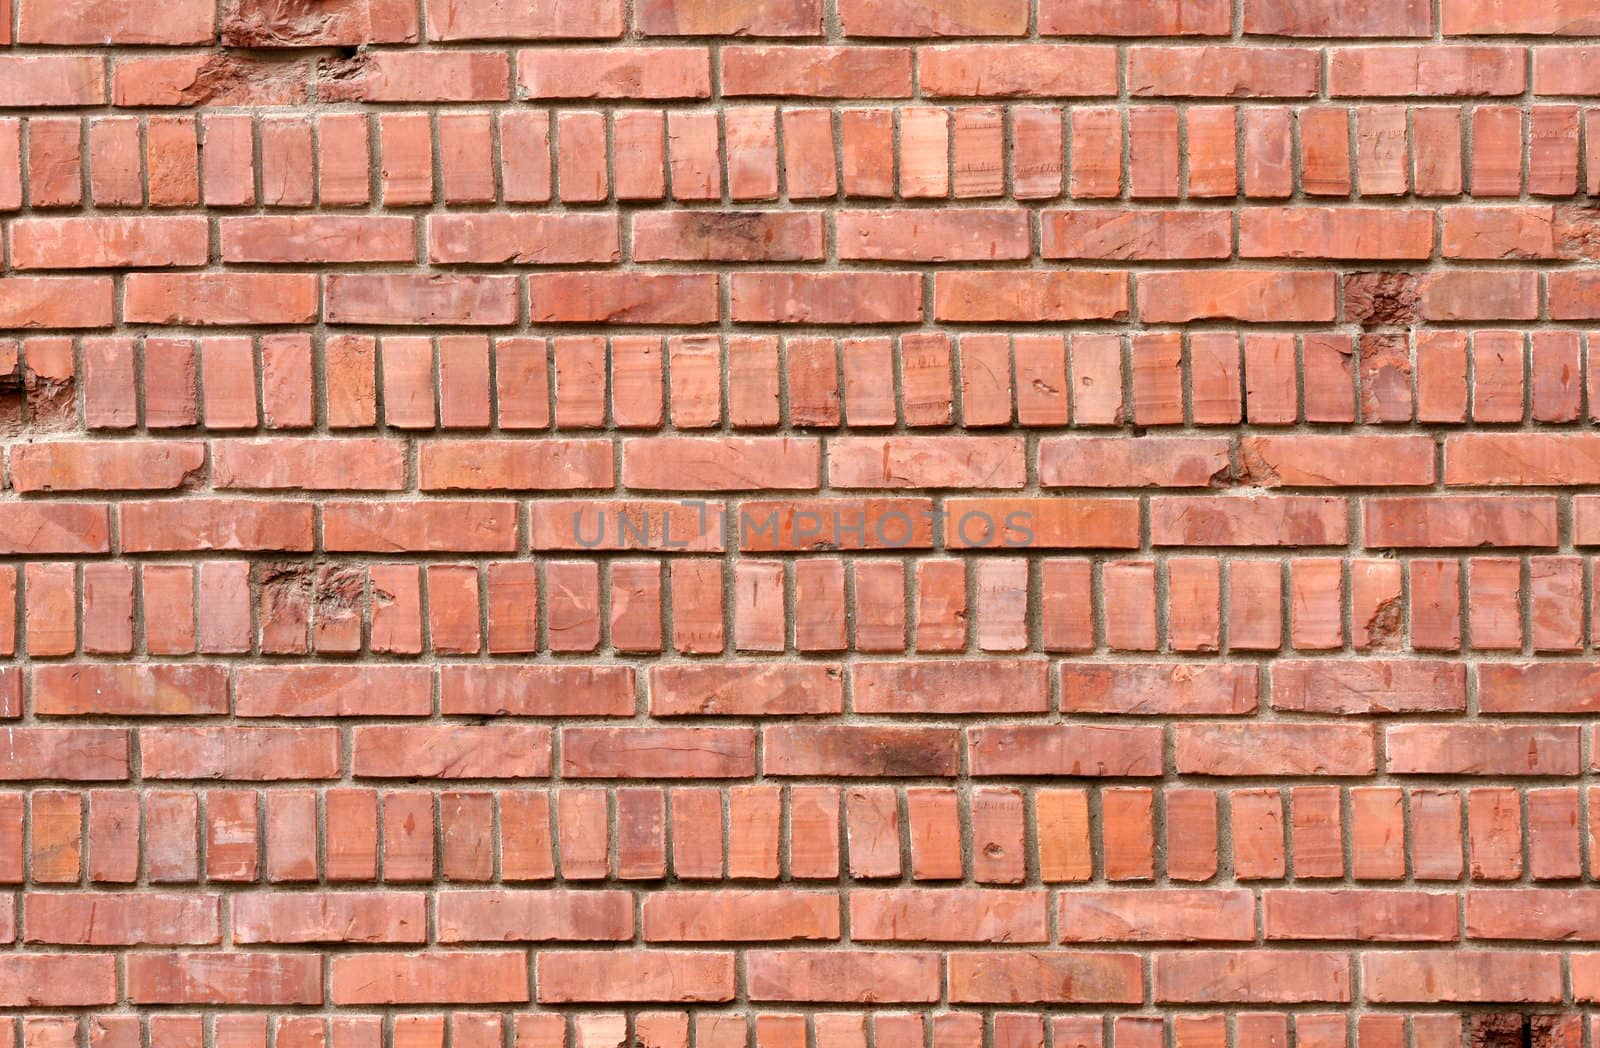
pixel 799 523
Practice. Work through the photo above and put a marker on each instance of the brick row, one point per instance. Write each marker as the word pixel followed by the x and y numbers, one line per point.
pixel 456 750
pixel 898 977
pixel 768 688
pixel 687 71
pixel 797 915
pixel 707 688
pixel 892 1028
pixel 1529 233
pixel 416 383
pixel 995 524
pixel 258 23
pixel 1117 688
pixel 1181 604
pixel 755 153
pixel 779 298
pixel 1466 233
pixel 1137 837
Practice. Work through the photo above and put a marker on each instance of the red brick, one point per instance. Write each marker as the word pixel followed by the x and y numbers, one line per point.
pixel 1487 749
pixel 741 916
pixel 667 976
pixel 436 978
pixel 488 751
pixel 533 916
pixel 397 917
pixel 632 525
pixel 1251 977
pixel 522 20
pixel 1285 749
pixel 105 243
pixel 584 72
pixel 706 464
pixel 1478 17
pixel 214 524
pixel 933 236
pixel 58 979
pixel 259 23
pixel 316 239
pixel 623 298
pixel 671 753
pixel 251 754
pixel 1061 977
pixel 431 526
pixel 849 750
pixel 1086 750
pixel 1323 18
pixel 1150 688
pixel 105 466
pixel 1158 916
pixel 1459 521
pixel 1480 975
pixel 817 72
pixel 332 691
pixel 308 465
pixel 1253 296
pixel 416 76
pixel 1314 686
pixel 842 523
pixel 52 80
pixel 952 686
pixel 1092 233
pixel 130 689
pixel 1535 914
pixel 827 975
pixel 403 299
pixel 536 690
pixel 910 18
pixel 735 690
pixel 912 462
pixel 81 754
pixel 122 919
pixel 1332 461
pixel 1168 462
pixel 1422 71
pixel 473 465
pixel 1236 72
pixel 826 298
pixel 741 18
pixel 97 23
pixel 1383 916
pixel 978 296
pixel 220 298
pixel 727 236
pixel 1116 18
pixel 55 302
pixel 948 915
pixel 1012 70
pixel 1248 521
pixel 224 978
pixel 1364 233
pixel 1268 171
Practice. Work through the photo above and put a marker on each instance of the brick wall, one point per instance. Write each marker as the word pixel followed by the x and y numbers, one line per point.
pixel 799 523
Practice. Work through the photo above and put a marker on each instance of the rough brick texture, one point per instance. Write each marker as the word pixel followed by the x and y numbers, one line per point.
pixel 799 523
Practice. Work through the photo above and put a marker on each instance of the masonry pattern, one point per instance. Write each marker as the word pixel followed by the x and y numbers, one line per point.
pixel 799 523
